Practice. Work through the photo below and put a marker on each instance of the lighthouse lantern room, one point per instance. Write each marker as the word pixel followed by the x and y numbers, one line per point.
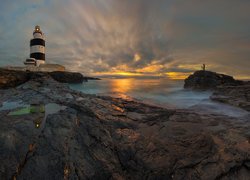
pixel 37 49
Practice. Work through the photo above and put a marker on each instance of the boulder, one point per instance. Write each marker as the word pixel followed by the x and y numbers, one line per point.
pixel 204 80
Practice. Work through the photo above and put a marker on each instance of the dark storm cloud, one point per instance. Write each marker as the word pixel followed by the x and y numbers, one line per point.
pixel 131 35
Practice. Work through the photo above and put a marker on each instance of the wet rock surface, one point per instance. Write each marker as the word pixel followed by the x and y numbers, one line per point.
pixel 234 95
pixel 203 80
pixel 12 78
pixel 96 137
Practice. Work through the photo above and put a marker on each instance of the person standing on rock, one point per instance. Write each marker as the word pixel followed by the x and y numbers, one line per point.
pixel 203 67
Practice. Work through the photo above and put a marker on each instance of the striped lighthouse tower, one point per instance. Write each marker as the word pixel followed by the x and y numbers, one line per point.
pixel 37 47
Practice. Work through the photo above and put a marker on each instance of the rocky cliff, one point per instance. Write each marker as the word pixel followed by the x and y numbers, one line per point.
pixel 203 80
pixel 12 78
pixel 93 137
pixel 226 88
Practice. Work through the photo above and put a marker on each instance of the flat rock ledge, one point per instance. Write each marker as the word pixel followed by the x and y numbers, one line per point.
pixel 96 137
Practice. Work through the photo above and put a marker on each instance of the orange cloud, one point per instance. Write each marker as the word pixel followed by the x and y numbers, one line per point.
pixel 150 69
pixel 118 73
pixel 177 75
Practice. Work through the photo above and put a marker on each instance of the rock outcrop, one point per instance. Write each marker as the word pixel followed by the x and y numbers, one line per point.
pixel 203 80
pixel 96 137
pixel 67 77
pixel 226 88
pixel 235 95
pixel 12 78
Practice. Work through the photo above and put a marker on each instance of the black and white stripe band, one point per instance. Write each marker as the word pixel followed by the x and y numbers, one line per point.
pixel 38 56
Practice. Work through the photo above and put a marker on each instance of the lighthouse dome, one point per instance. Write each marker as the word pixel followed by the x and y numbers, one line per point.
pixel 37 30
pixel 38 33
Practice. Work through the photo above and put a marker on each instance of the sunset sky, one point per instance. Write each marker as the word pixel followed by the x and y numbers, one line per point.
pixel 131 37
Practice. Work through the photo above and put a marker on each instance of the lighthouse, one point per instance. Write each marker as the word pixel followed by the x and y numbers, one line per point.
pixel 37 49
pixel 36 61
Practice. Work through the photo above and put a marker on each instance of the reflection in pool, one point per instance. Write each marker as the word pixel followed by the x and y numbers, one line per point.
pixel 18 108
pixel 28 109
pixel 9 105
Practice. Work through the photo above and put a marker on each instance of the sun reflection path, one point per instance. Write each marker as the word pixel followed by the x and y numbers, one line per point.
pixel 122 86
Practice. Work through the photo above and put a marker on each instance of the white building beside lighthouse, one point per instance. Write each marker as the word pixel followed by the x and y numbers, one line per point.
pixel 37 49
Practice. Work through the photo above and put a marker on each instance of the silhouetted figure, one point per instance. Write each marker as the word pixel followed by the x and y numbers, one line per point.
pixel 203 67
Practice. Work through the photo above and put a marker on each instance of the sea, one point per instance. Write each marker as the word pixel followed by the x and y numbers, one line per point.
pixel 161 92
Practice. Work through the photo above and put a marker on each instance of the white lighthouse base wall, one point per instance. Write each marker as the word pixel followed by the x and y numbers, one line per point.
pixel 41 68
pixel 39 62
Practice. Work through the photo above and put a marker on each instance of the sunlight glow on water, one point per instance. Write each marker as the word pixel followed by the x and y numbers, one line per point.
pixel 122 86
pixel 156 91
pixel 162 92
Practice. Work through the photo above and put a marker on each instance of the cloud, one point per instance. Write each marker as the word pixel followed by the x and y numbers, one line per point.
pixel 95 36
pixel 112 34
